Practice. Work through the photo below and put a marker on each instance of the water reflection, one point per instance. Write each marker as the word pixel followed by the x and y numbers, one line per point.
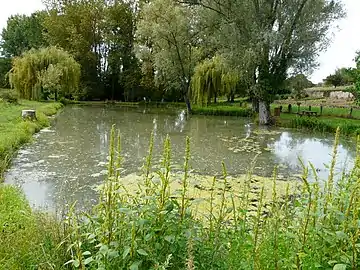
pixel 65 162
pixel 317 151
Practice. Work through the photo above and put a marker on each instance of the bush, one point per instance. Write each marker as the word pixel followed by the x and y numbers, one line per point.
pixel 9 96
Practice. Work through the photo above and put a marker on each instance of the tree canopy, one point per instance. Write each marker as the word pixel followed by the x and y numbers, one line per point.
pixel 22 33
pixel 160 49
pixel 297 84
pixel 172 31
pixel 38 73
pixel 278 35
pixel 213 78
pixel 342 76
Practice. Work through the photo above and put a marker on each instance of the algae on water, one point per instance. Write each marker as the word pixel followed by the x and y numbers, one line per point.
pixel 200 188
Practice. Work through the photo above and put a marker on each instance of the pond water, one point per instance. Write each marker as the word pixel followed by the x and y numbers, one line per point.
pixel 66 161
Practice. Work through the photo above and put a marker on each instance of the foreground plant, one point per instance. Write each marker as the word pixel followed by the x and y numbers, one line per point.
pixel 155 228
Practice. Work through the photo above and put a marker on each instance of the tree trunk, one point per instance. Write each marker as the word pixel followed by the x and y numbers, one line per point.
pixel 56 95
pixel 264 113
pixel 232 99
pixel 255 105
pixel 187 102
pixel 208 101
pixel 215 97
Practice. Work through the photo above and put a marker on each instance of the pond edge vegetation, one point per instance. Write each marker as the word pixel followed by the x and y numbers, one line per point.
pixel 15 131
pixel 149 229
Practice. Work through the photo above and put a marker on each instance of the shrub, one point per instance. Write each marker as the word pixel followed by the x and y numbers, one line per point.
pixel 9 96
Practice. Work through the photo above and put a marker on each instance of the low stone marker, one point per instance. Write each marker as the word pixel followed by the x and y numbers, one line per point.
pixel 28 114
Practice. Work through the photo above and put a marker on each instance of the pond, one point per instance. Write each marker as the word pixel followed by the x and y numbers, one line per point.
pixel 66 161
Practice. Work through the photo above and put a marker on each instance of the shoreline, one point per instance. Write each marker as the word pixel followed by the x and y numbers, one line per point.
pixel 16 132
pixel 328 122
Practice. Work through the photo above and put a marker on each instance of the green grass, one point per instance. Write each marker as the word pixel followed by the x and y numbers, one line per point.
pixel 327 111
pixel 223 110
pixel 14 131
pixel 28 240
pixel 348 127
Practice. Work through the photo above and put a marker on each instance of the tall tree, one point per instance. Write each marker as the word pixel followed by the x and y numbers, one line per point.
pixel 297 84
pixel 122 71
pixel 335 79
pixel 279 35
pixel 75 27
pixel 171 28
pixel 23 33
pixel 100 35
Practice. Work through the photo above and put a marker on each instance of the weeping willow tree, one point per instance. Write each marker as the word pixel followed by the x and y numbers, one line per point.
pixel 38 73
pixel 212 78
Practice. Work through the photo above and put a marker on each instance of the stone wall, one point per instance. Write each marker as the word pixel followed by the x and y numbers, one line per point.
pixel 341 95
pixel 330 94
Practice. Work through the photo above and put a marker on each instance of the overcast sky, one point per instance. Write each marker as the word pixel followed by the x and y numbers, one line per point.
pixel 346 41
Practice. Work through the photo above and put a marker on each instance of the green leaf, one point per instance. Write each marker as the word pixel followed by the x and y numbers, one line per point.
pixel 103 249
pixel 76 263
pixel 142 252
pixel 126 252
pixel 68 262
pixel 113 254
pixel 340 235
pixel 88 260
pixel 169 238
pixel 148 237
pixel 86 253
pixel 135 265
pixel 339 266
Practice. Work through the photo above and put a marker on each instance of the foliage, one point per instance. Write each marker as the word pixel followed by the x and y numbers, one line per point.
pixel 8 95
pixel 298 84
pixel 335 79
pixel 28 240
pixel 223 110
pixel 100 36
pixel 316 228
pixel 355 90
pixel 5 66
pixel 271 37
pixel 348 127
pixel 15 132
pixel 38 73
pixel 171 29
pixel 211 79
pixel 23 33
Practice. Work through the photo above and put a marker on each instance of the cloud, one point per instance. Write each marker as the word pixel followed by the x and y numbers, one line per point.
pixel 345 43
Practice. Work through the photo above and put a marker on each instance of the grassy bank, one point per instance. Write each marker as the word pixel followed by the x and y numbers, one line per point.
pixel 28 240
pixel 327 111
pixel 157 227
pixel 14 131
pixel 348 127
pixel 223 110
